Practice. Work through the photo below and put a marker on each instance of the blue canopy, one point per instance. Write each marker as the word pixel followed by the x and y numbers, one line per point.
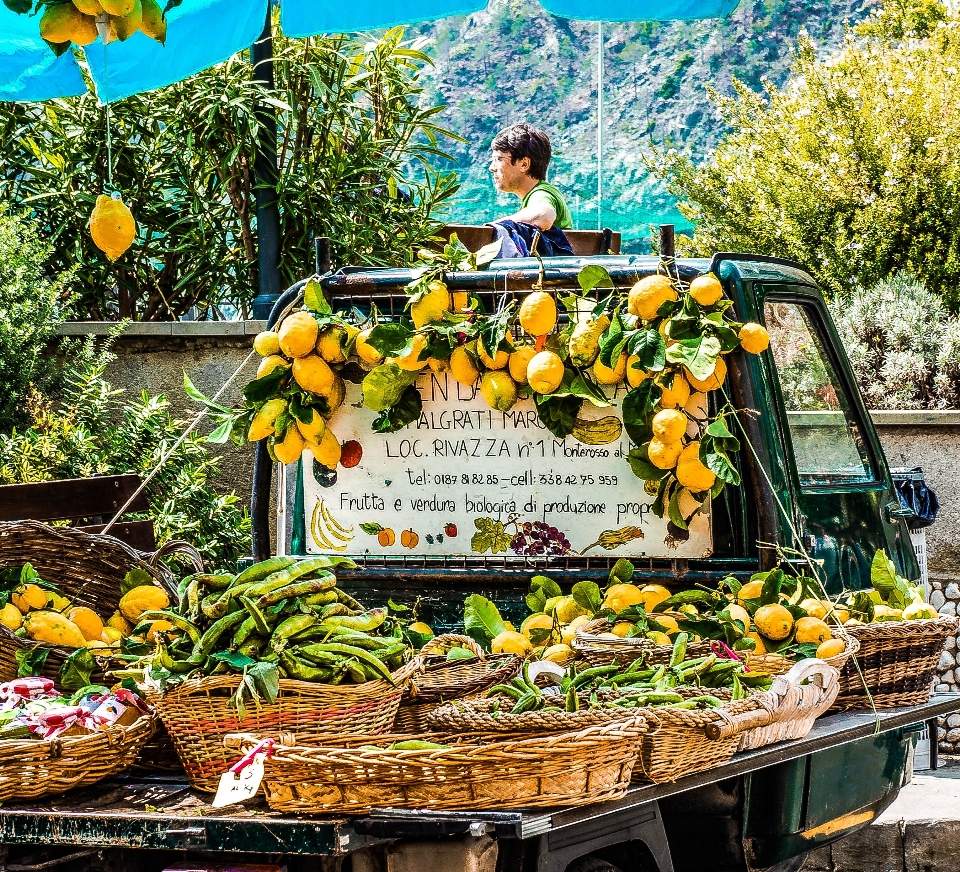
pixel 202 33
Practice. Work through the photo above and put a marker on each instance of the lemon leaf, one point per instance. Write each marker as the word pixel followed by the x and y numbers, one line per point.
pixel 699 355
pixel 314 299
pixel 594 276
pixel 651 348
pixel 401 413
pixel 481 618
pixel 384 385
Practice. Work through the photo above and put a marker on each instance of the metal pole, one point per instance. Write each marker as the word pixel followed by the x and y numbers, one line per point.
pixel 599 125
pixel 265 178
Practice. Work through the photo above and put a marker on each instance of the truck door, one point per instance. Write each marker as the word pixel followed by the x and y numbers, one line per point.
pixel 845 508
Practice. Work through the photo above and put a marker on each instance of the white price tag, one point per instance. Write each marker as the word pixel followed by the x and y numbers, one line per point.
pixel 240 786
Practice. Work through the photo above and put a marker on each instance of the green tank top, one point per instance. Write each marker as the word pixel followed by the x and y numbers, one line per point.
pixel 547 192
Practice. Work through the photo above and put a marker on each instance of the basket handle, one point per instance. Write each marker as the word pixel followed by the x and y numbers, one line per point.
pixel 445 641
pixel 174 546
pixel 730 725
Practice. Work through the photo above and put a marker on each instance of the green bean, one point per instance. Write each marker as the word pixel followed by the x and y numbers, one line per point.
pixel 506 690
pixel 212 635
pixel 367 622
pixel 590 674
pixel 300 588
pixel 363 656
pixel 303 672
pixel 180 622
pixel 292 625
pixel 679 649
pixel 525 703
pixel 261 570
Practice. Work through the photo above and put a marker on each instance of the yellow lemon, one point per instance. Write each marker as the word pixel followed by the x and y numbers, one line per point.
pixel 337 394
pixel 141 599
pixel 651 595
pixel 463 367
pixel 659 638
pixel 739 613
pixel 669 425
pixel 421 628
pixel 298 334
pixel 414 359
pixel 118 622
pixel 559 653
pixel 127 25
pixel 312 432
pixel 635 375
pixel 537 621
pixel 569 632
pixel 111 635
pixel 814 608
pixel 498 361
pixel 267 343
pixel 667 621
pixel 753 338
pixel 431 306
pixel 663 455
pixel 65 23
pixel 518 363
pixel 830 648
pixel 89 7
pixel 111 223
pixel 289 449
pixel 545 372
pixel 711 382
pixel 648 295
pixel 773 621
pixel 87 620
pixel 263 421
pixel 117 8
pixel 812 630
pixel 568 610
pixel 706 290
pixel 154 24
pixel 751 590
pixel 621 628
pixel 621 596
pixel 759 647
pixel 365 351
pixel 691 472
pixel 269 364
pixel 511 642
pixel 439 365
pixel 538 313
pixel 498 390
pixel 313 374
pixel 606 375
pixel 327 451
pixel 330 344
pixel 27 597
pixel 157 627
pixel 677 394
pixel 11 617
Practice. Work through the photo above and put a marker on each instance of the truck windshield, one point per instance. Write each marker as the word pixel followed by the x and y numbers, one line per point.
pixel 827 442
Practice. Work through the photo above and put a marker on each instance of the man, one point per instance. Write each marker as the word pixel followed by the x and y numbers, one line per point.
pixel 521 154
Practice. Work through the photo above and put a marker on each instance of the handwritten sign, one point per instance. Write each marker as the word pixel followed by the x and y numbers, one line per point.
pixel 465 479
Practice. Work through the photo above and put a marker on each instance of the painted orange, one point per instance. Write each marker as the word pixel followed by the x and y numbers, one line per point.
pixel 386 537
pixel 409 539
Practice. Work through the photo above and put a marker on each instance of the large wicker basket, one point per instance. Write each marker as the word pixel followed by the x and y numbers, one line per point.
pixel 87 567
pixel 444 680
pixel 898 661
pixel 31 768
pixel 573 768
pixel 198 716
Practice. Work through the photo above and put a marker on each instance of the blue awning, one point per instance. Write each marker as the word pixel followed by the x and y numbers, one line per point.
pixel 202 33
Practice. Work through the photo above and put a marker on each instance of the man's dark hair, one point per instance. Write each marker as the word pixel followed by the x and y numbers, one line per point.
pixel 525 140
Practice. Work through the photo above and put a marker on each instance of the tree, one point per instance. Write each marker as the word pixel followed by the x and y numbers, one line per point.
pixel 356 164
pixel 852 167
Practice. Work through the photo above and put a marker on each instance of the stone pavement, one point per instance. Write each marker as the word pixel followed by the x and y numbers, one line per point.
pixel 920 832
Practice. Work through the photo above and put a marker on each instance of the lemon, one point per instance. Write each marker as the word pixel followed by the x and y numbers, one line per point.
pixel 659 638
pixel 559 653
pixel 669 425
pixel 691 472
pixel 635 374
pixel 668 622
pixel 421 628
pixel 689 609
pixel 545 372
pixel 414 359
pixel 439 365
pixel 117 8
pixel 312 432
pixel 814 608
pixel 127 25
pixel 812 630
pixel 269 364
pixel 663 455
pixel 27 597
pixel 154 24
pixel 883 613
pixel 511 642
pixel 706 290
pixel 89 7
pixel 313 374
pixel 431 306
pixel 463 367
pixel 289 449
pixel 773 621
pixel 519 361
pixel 568 610
pixel 65 23
pixel 536 621
pixel 569 632
pixel 753 338
pixel 584 344
pixel 830 648
pixel 111 223
pixel 711 382
pixel 621 596
pixel 298 334
pixel 648 295
pixel 677 394
pixel 751 590
pixel 118 622
pixel 538 313
pixel 739 613
pixel 621 628
pixel 759 647
pixel 498 361
pixel 267 343
pixel 157 627
pixel 919 610
pixel 327 450
pixel 366 352
pixel 330 344
pixel 11 617
pixel 87 620
pixel 651 595
pixel 606 375
pixel 498 390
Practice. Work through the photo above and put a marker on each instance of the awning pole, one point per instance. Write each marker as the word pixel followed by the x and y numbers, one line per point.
pixel 266 175
pixel 599 125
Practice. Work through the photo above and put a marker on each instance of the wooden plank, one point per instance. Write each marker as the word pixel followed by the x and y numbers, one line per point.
pixel 139 534
pixel 70 498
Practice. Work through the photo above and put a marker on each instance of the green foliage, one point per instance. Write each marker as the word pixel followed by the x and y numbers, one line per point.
pixel 850 168
pixel 89 430
pixel 903 343
pixel 356 153
pixel 30 310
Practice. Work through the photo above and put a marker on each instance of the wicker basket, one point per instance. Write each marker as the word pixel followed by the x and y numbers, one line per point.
pixel 787 710
pixel 87 567
pixel 445 680
pixel 198 716
pixel 573 768
pixel 777 664
pixel 31 768
pixel 898 660
pixel 158 755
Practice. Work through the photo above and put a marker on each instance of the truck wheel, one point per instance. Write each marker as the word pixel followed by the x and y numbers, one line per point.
pixel 592 864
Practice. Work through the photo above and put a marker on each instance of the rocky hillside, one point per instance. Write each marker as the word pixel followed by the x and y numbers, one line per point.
pixel 515 62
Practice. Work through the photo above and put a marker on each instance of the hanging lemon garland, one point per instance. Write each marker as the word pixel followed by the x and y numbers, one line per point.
pixel 80 22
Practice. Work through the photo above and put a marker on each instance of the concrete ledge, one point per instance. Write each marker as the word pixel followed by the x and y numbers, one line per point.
pixel 185 329
pixel 916 417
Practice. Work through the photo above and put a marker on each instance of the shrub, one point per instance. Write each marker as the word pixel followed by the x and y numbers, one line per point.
pixel 30 310
pixel 91 430
pixel 903 343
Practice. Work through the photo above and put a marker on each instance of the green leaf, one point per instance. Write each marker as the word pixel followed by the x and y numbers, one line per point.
pixel 558 414
pixel 481 620
pixel 640 464
pixel 266 678
pixel 494 330
pixel 706 628
pixel 77 669
pixel 594 276
pixel 691 597
pixel 613 341
pixel 462 653
pixel 575 385
pixel 262 389
pixel 233 658
pixel 19 6
pixel 719 429
pixel 490 536
pixel 371 528
pixel 699 355
pixel 674 513
pixel 770 592
pixel 406 410
pixel 883 573
pixel 384 385
pixel 221 434
pixel 135 578
pixel 622 571
pixel 899 597
pixel 30 661
pixel 536 600
pixel 194 394
pixel 720 464
pixel 390 339
pixel 862 607
pixel 314 299
pixel 549 587
pixel 638 409
pixel 587 595
pixel 651 348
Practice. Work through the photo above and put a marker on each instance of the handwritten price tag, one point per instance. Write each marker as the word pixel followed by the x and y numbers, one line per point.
pixel 242 785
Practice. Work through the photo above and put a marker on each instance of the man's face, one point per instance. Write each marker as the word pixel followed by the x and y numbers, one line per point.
pixel 508 175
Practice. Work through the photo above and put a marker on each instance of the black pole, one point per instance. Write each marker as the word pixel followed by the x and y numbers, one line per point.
pixel 667 246
pixel 266 176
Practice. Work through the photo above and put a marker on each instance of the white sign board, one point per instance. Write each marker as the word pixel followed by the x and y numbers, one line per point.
pixel 465 479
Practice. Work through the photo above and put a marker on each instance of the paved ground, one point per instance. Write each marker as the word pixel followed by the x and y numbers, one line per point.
pixel 920 832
